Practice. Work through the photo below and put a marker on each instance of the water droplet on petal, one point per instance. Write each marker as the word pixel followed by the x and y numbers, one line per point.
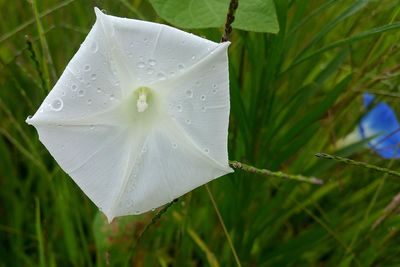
pixel 193 57
pixel 203 97
pixel 181 66
pixel 197 83
pixel 89 101
pixel 130 54
pixel 131 44
pixel 81 92
pixel 174 145
pixel 179 108
pixel 57 104
pixel 112 97
pixel 188 121
pixel 74 87
pixel 152 62
pixel 98 90
pixel 203 109
pixel 93 47
pixel 189 93
pixel 161 76
pixel 63 93
pixel 29 117
pixel 206 150
pixel 93 76
pixel 91 127
pixel 141 64
pixel 150 71
pixel 86 68
pixel 183 42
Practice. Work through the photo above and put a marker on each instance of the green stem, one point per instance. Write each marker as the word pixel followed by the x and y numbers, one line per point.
pixel 278 174
pixel 357 163
pixel 223 227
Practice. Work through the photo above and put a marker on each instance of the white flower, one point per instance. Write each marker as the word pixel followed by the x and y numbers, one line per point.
pixel 140 115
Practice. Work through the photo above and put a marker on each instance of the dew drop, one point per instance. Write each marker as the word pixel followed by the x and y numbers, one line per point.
pixel 172 73
pixel 203 97
pixel 86 68
pixel 93 47
pixel 197 83
pixel 91 127
pixel 93 76
pixel 141 64
pixel 193 57
pixel 81 92
pixel 174 145
pixel 179 108
pixel 112 97
pixel 150 71
pixel 98 90
pixel 213 67
pixel 161 76
pixel 89 101
pixel 203 109
pixel 181 66
pixel 57 104
pixel 189 93
pixel 153 209
pixel 29 117
pixel 183 42
pixel 130 54
pixel 131 44
pixel 188 121
pixel 74 87
pixel 206 150
pixel 63 93
pixel 152 62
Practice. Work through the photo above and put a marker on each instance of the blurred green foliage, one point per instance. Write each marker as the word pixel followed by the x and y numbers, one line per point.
pixel 293 94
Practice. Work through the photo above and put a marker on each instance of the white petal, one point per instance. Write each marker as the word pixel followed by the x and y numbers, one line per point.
pixel 155 51
pixel 168 166
pixel 95 157
pixel 200 103
pixel 87 86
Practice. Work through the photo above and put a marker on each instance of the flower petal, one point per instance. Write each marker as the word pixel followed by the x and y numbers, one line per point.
pixel 168 166
pixel 199 103
pixel 155 51
pixel 381 121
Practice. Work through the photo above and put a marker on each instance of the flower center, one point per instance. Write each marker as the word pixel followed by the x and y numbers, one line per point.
pixel 142 95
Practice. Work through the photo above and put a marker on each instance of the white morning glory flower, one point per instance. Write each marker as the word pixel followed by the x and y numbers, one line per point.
pixel 140 115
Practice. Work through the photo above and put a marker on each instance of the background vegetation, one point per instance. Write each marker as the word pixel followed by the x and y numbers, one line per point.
pixel 293 94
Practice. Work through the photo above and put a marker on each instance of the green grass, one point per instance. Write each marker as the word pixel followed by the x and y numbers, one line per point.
pixel 293 95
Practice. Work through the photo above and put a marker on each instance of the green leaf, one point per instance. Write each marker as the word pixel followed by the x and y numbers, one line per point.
pixel 251 15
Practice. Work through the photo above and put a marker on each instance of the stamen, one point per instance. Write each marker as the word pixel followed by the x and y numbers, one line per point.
pixel 142 101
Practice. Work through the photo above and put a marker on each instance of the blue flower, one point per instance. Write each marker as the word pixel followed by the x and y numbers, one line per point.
pixel 380 121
